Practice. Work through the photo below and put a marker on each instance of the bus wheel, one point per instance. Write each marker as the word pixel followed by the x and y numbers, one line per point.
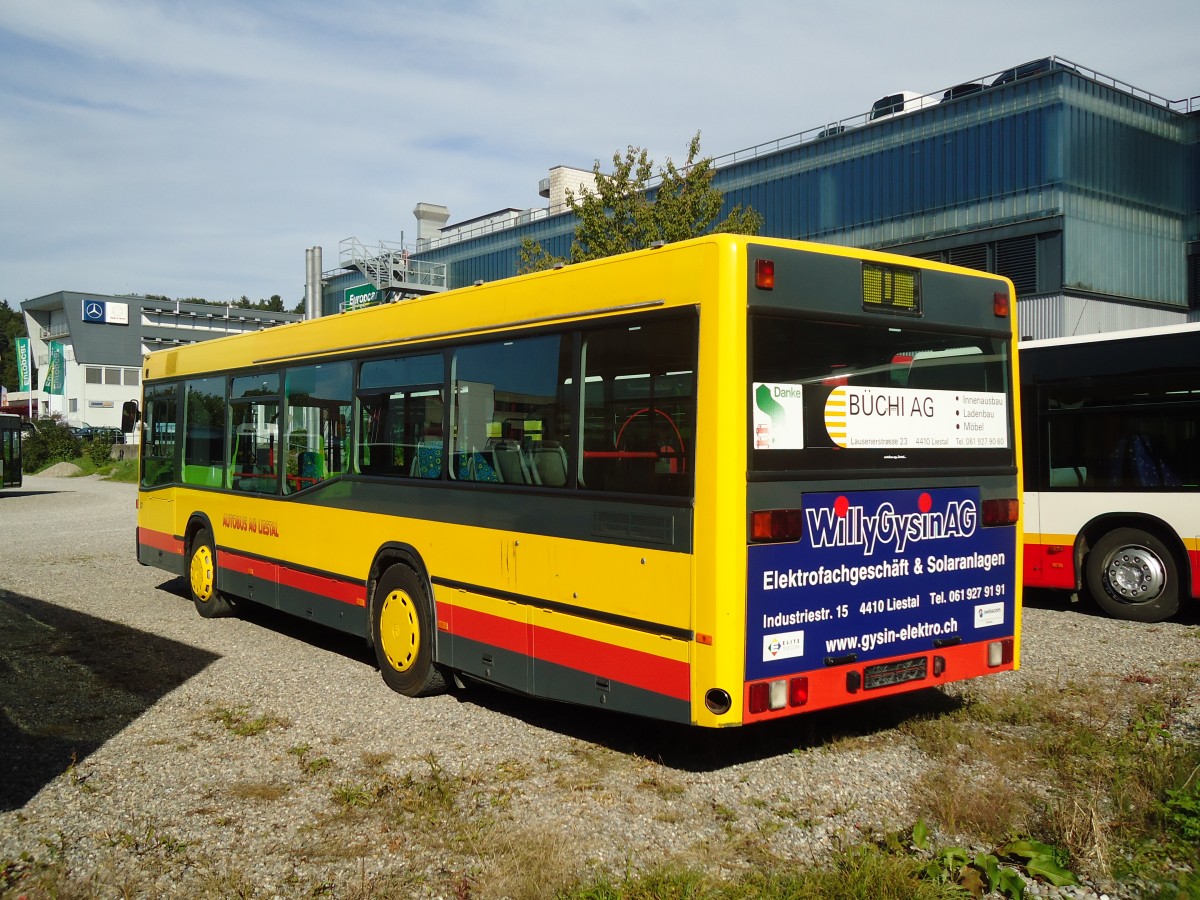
pixel 403 636
pixel 1132 575
pixel 202 577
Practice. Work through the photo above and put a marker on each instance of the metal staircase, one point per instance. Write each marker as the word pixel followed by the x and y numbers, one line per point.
pixel 390 268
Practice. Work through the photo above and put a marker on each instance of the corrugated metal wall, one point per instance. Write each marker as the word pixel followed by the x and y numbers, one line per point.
pixel 1064 315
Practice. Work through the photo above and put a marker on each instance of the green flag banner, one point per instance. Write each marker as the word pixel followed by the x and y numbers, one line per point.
pixel 56 370
pixel 24 369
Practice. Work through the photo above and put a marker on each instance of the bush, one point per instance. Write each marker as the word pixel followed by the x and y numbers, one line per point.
pixel 51 442
pixel 99 449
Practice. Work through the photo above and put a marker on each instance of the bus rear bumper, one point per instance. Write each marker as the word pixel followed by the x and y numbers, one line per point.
pixel 854 681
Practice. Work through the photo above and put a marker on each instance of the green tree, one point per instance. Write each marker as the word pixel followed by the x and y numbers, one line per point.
pixel 12 326
pixel 623 213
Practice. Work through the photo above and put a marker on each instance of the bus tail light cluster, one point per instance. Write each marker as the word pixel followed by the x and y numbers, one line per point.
pixel 1000 512
pixel 1000 305
pixel 1000 653
pixel 780 693
pixel 764 274
pixel 773 526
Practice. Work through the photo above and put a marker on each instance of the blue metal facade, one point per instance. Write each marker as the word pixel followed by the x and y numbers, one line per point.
pixel 1062 181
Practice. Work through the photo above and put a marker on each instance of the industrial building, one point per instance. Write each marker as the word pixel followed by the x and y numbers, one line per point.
pixel 104 339
pixel 1082 189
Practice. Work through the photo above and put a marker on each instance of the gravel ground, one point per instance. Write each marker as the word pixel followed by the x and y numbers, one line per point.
pixel 150 752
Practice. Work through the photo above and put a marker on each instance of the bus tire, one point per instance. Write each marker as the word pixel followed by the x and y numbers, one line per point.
pixel 202 577
pixel 1132 575
pixel 402 632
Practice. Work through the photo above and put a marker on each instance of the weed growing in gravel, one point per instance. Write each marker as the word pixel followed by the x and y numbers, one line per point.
pixel 309 765
pixel 519 862
pixel 663 787
pixel 416 800
pixel 592 768
pixel 1092 768
pixel 857 872
pixel 237 720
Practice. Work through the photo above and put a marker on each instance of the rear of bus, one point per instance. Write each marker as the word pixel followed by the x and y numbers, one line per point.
pixel 882 496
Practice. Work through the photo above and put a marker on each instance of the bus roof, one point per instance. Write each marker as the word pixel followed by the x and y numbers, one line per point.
pixel 1129 334
pixel 491 306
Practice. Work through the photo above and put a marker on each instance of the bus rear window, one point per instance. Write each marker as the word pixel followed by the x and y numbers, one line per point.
pixel 841 396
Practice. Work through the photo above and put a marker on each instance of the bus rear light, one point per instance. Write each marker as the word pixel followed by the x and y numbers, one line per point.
pixel 1000 653
pixel 768 695
pixel 759 694
pixel 1000 512
pixel 798 691
pixel 764 274
pixel 768 526
pixel 1000 305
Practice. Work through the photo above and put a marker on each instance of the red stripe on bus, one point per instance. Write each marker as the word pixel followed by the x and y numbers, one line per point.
pixel 159 540
pixel 342 591
pixel 1194 556
pixel 1049 566
pixel 633 667
pixel 320 585
pixel 496 631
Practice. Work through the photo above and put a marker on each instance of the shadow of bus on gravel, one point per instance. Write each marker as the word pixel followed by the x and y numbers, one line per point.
pixel 68 683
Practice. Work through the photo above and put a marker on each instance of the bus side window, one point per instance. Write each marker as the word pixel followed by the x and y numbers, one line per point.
pixel 510 410
pixel 640 408
pixel 400 408
pixel 204 432
pixel 317 410
pixel 158 435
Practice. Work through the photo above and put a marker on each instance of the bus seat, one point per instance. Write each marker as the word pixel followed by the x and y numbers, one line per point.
pixel 1068 476
pixel 510 461
pixel 1149 468
pixel 310 465
pixel 474 466
pixel 550 463
pixel 427 462
pixel 203 476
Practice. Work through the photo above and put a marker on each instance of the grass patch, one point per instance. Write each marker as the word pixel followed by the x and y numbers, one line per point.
pixel 1096 769
pixel 856 873
pixel 237 720
pixel 663 787
pixel 420 799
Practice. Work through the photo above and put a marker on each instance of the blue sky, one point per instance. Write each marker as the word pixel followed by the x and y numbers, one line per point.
pixel 197 149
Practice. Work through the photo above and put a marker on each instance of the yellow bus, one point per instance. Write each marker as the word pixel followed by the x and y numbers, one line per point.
pixel 715 482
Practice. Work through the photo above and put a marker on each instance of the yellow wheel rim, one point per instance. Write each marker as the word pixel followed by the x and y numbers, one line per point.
pixel 399 630
pixel 202 573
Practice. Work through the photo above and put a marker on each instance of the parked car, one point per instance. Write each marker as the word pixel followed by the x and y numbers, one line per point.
pixel 962 90
pixel 86 432
pixel 899 102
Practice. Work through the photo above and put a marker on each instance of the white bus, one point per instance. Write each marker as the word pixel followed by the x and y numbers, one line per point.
pixel 1112 468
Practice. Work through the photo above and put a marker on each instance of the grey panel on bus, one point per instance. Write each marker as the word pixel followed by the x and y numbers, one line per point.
pixel 816 283
pixel 573 515
pixel 556 682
